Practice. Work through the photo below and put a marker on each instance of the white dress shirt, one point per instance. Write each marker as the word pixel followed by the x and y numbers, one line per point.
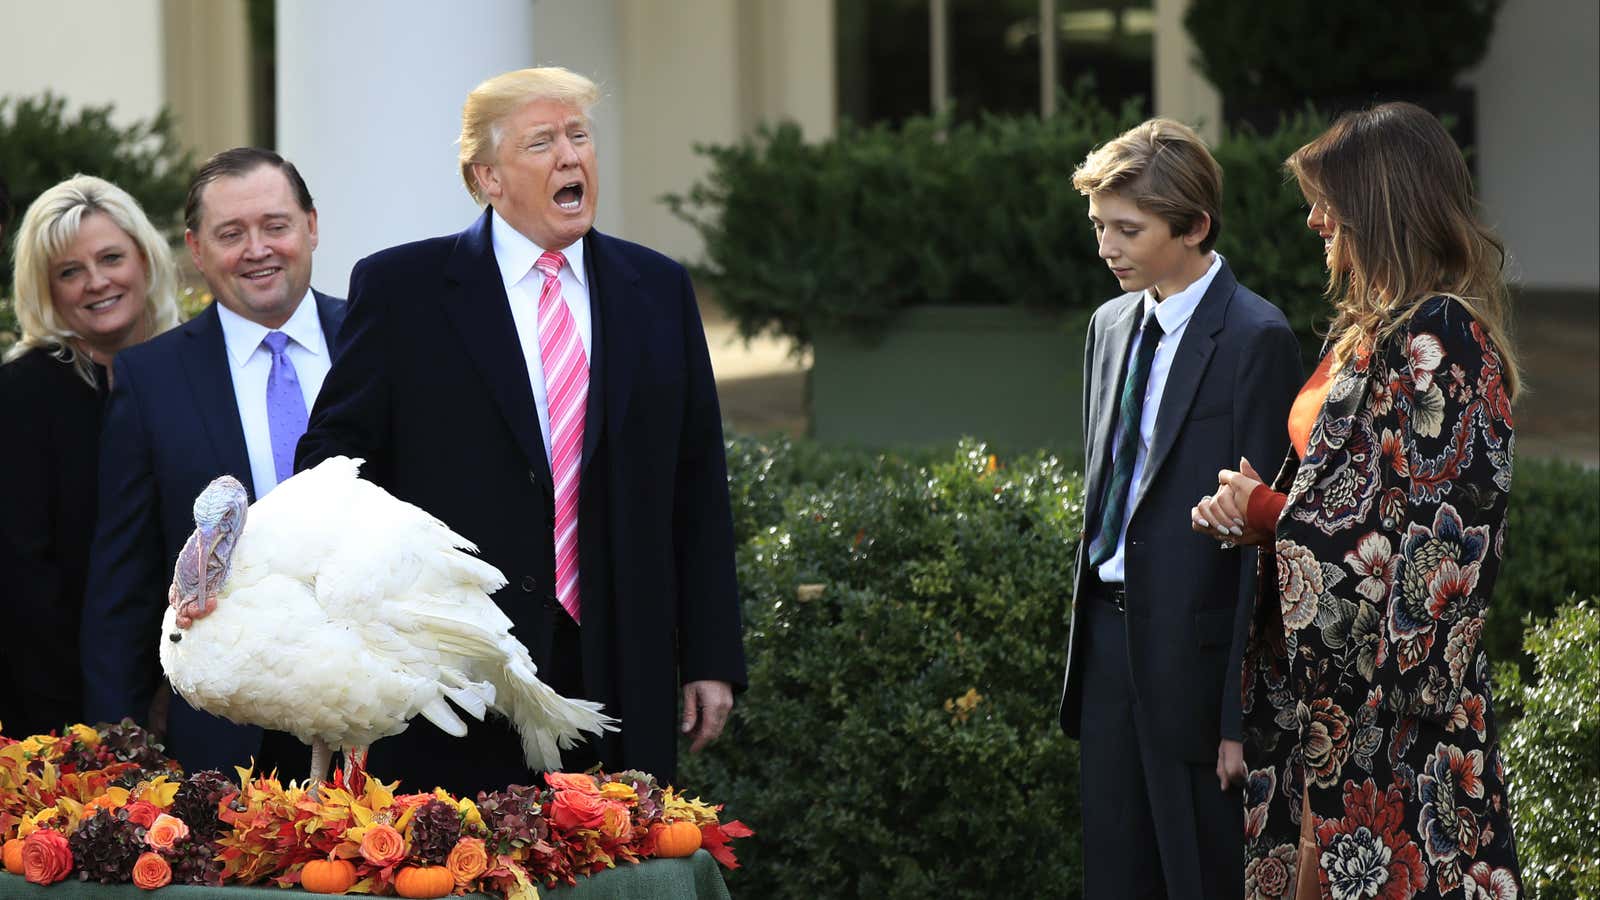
pixel 250 363
pixel 1174 314
pixel 515 255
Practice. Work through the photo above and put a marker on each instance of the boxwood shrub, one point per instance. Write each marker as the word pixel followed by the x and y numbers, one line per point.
pixel 905 626
pixel 1553 755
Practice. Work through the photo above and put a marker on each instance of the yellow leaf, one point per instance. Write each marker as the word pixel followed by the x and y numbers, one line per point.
pixel 159 791
pixel 87 735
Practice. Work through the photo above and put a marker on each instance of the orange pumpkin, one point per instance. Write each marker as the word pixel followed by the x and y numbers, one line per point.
pixel 424 881
pixel 13 856
pixel 328 876
pixel 676 838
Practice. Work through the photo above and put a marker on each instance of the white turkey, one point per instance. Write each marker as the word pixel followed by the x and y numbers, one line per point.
pixel 333 611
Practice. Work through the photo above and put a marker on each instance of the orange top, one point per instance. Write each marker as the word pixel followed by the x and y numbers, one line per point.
pixel 1266 504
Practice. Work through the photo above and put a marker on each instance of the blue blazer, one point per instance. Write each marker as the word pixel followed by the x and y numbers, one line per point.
pixel 432 390
pixel 171 425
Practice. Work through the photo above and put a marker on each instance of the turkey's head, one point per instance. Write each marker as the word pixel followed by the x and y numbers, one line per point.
pixel 204 563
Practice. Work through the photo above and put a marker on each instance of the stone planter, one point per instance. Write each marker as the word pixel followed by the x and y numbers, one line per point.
pixel 1008 376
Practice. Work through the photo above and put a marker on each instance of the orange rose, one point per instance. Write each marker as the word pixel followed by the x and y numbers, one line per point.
pixel 383 846
pixel 150 871
pixel 46 858
pixel 166 831
pixel 142 812
pixel 576 809
pixel 617 823
pixel 572 781
pixel 468 859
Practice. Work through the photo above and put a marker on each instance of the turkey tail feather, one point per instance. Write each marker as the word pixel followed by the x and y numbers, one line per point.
pixel 546 721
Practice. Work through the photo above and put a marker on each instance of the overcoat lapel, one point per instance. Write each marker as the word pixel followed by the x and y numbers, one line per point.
pixel 1183 378
pixel 622 316
pixel 210 378
pixel 477 306
pixel 1111 360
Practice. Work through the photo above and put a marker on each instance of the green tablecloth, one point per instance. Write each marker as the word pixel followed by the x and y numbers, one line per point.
pixel 697 877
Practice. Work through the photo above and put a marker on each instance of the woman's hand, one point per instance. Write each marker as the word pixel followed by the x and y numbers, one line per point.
pixel 1222 515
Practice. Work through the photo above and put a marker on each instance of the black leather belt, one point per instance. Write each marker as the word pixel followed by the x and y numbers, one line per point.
pixel 1110 593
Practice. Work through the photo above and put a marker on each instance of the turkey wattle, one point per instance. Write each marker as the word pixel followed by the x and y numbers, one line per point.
pixel 335 612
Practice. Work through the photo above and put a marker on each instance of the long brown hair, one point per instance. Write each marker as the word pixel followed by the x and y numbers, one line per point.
pixel 1407 228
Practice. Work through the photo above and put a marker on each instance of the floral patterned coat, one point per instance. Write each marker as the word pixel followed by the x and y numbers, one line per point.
pixel 1363 672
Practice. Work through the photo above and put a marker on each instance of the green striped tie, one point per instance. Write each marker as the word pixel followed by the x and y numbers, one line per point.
pixel 1126 446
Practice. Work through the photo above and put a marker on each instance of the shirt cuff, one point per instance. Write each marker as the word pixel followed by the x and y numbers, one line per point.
pixel 1266 505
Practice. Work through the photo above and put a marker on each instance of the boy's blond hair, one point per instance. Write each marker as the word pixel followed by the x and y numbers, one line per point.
pixel 1165 169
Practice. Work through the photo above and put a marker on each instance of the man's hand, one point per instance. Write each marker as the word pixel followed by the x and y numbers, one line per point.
pixel 1230 764
pixel 706 705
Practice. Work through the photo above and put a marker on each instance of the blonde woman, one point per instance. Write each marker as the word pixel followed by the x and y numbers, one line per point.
pixel 1374 768
pixel 92 276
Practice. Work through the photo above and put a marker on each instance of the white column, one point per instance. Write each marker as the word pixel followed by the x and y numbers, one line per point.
pixel 1181 92
pixel 369 107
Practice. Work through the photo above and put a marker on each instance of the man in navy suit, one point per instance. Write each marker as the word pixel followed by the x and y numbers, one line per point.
pixel 226 393
pixel 546 391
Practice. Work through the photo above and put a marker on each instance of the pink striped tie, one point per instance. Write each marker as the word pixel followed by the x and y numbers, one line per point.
pixel 566 379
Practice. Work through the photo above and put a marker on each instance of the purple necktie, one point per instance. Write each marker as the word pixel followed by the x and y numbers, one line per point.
pixel 286 406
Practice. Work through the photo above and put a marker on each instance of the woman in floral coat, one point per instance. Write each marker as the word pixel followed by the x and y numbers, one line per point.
pixel 1374 768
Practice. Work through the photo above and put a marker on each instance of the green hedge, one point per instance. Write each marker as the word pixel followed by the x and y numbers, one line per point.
pixel 905 627
pixel 1553 756
pixel 1552 551
pixel 880 590
pixel 841 234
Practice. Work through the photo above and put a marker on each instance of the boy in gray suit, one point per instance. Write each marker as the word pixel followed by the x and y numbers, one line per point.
pixel 1184 374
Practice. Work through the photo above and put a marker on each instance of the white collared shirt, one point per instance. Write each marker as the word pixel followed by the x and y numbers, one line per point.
pixel 1174 314
pixel 250 363
pixel 515 254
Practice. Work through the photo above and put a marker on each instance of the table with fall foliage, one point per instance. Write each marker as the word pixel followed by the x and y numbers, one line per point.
pixel 696 877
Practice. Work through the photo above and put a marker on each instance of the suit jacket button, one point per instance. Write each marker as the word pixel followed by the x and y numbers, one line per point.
pixel 528 584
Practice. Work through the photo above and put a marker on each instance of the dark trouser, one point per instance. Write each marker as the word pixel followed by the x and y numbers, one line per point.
pixel 1154 825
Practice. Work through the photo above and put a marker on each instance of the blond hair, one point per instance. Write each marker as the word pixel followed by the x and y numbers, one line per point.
pixel 49 226
pixel 1407 228
pixel 1165 169
pixel 492 101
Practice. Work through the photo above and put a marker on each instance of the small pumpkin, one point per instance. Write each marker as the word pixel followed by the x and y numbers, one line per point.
pixel 328 876
pixel 424 881
pixel 13 856
pixel 676 838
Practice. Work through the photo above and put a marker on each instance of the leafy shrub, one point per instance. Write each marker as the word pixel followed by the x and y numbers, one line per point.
pixel 1257 58
pixel 41 145
pixel 1553 756
pixel 906 627
pixel 840 235
pixel 1552 551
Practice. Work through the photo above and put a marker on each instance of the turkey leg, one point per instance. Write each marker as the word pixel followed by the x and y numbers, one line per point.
pixel 321 756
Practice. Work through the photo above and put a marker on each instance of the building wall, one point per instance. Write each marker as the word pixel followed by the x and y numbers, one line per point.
pixel 207 72
pixel 91 52
pixel 1539 140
